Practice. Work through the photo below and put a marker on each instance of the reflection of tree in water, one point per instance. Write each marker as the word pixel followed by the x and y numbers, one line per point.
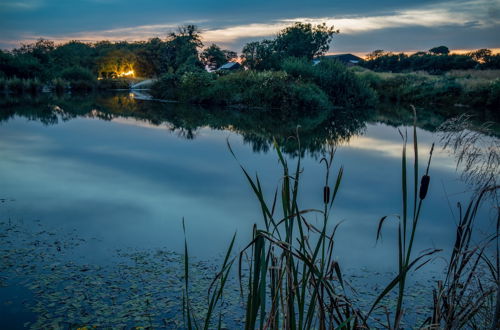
pixel 257 127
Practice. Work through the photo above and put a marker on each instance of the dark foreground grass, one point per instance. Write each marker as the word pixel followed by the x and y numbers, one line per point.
pixel 290 280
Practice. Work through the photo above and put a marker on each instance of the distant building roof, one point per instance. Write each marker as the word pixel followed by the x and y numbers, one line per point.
pixel 345 58
pixel 230 66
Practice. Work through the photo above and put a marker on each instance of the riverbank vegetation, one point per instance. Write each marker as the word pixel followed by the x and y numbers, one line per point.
pixel 437 60
pixel 460 88
pixel 291 280
pixel 289 71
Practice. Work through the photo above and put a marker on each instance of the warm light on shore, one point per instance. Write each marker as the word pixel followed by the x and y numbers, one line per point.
pixel 130 73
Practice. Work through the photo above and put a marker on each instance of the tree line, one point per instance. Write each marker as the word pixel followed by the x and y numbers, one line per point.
pixel 181 51
pixel 436 60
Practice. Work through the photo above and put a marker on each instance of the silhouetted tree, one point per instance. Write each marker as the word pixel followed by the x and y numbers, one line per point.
pixel 304 40
pixel 214 57
pixel 440 50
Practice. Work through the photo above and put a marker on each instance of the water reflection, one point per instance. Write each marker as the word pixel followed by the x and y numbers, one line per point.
pixel 127 186
pixel 258 128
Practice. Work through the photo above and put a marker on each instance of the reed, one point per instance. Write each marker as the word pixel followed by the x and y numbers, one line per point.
pixel 289 278
pixel 459 299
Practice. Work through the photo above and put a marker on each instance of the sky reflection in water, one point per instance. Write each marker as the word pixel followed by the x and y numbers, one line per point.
pixel 129 183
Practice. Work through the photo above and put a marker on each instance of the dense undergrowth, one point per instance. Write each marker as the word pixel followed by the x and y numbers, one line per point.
pixel 298 85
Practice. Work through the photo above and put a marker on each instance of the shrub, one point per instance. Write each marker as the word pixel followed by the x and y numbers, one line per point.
pixel 268 89
pixel 77 73
pixel 341 85
pixel 194 85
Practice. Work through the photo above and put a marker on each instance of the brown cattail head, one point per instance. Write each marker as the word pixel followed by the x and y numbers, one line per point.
pixel 326 194
pixel 424 186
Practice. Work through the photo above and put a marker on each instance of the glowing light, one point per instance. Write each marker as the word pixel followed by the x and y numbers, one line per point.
pixel 129 73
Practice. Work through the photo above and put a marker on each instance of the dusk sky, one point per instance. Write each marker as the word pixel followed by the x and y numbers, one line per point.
pixel 393 25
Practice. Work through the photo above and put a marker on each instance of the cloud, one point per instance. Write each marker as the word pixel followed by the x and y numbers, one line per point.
pixel 473 14
pixel 20 5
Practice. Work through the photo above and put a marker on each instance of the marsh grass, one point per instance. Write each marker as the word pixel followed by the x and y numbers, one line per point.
pixel 465 298
pixel 472 88
pixel 477 154
pixel 289 278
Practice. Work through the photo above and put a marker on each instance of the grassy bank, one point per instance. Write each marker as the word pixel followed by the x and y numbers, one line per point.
pixel 469 88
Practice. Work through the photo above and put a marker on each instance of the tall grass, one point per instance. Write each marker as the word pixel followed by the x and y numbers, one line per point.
pixel 459 299
pixel 461 87
pixel 407 227
pixel 289 278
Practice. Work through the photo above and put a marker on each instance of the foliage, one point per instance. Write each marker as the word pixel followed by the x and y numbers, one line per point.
pixel 435 64
pixel 265 89
pixel 19 86
pixel 440 50
pixel 290 280
pixel 260 55
pixel 213 57
pixel 166 87
pixel 341 85
pixel 122 83
pixel 199 81
pixel 436 61
pixel 304 40
pixel 298 40
pixel 425 89
pixel 77 73
pixel 116 62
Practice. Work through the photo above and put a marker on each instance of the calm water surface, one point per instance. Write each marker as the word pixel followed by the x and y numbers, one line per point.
pixel 124 173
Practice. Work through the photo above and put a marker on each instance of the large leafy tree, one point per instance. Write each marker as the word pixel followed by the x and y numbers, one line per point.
pixel 116 62
pixel 301 40
pixel 74 53
pixel 183 46
pixel 260 55
pixel 481 55
pixel 304 40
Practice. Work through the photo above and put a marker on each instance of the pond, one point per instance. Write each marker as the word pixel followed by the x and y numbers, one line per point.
pixel 113 172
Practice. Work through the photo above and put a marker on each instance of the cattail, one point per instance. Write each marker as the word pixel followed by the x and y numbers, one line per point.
pixel 424 186
pixel 326 194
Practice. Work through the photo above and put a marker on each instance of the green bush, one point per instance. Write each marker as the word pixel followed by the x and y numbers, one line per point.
pixel 77 73
pixel 268 89
pixel 80 79
pixel 341 85
pixel 194 86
